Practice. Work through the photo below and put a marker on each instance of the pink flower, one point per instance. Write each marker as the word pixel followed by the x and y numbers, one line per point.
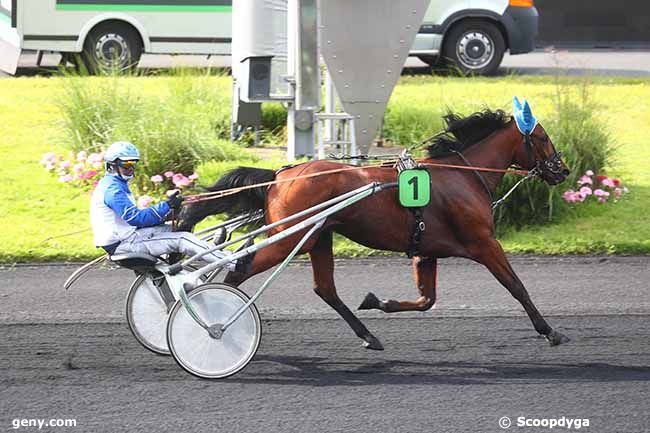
pixel 48 158
pixel 89 174
pixel 585 180
pixel 569 196
pixel 82 156
pixel 168 174
pixel 97 165
pixel 144 201
pixel 96 157
pixel 601 193
pixel 585 190
pixel 589 173
pixel 600 178
pixel 157 178
pixel 193 176
pixel 608 182
pixel 95 184
pixel 602 199
pixel 51 165
pixel 617 182
pixel 78 167
pixel 65 178
pixel 618 192
pixel 180 180
pixel 65 164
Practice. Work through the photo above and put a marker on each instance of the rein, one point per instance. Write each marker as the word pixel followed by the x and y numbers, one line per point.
pixel 218 194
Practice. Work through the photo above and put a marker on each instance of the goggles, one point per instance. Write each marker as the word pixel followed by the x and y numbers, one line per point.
pixel 127 164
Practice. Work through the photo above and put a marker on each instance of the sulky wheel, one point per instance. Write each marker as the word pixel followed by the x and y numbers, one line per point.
pixel 147 310
pixel 209 356
pixel 146 314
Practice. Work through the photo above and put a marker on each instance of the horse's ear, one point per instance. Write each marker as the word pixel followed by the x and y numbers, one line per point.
pixel 523 116
pixel 528 113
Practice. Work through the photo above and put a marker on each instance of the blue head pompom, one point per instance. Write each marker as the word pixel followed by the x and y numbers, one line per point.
pixel 524 118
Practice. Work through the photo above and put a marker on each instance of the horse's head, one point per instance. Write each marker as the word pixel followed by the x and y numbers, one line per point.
pixel 537 150
pixel 191 214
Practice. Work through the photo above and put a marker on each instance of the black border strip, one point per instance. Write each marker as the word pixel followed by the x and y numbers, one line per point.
pixel 150 2
pixel 50 38
pixel 431 29
pixel 197 40
pixel 14 16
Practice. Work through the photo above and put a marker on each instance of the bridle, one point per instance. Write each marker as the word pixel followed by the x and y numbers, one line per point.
pixel 551 164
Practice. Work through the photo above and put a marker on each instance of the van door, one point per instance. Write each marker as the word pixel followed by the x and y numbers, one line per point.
pixel 9 38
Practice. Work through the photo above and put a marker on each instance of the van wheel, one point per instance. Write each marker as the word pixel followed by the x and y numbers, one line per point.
pixel 111 47
pixel 474 47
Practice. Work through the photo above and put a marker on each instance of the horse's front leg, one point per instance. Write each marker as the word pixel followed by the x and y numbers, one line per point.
pixel 322 263
pixel 425 271
pixel 492 256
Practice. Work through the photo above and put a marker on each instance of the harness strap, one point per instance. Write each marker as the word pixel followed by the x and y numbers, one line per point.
pixel 406 162
pixel 476 173
pixel 416 233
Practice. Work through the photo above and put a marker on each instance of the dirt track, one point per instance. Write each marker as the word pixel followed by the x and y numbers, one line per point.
pixel 458 368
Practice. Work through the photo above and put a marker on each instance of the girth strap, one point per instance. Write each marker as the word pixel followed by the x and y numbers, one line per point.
pixel 416 233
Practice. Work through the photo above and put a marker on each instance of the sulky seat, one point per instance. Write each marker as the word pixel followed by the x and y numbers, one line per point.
pixel 136 261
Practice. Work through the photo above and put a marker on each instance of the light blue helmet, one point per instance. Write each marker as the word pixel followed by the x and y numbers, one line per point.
pixel 122 150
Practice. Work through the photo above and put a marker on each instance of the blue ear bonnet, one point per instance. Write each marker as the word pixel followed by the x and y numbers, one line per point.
pixel 524 118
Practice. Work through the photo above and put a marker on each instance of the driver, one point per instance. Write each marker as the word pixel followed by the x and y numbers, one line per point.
pixel 119 227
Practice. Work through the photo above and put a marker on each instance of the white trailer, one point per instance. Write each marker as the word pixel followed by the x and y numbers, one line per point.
pixel 115 33
pixel 9 39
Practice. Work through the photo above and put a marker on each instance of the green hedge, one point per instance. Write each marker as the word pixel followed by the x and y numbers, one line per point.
pixel 186 121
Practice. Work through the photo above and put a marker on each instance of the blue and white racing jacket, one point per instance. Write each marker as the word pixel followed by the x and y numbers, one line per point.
pixel 114 215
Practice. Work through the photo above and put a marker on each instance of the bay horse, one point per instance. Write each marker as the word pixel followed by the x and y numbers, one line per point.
pixel 458 218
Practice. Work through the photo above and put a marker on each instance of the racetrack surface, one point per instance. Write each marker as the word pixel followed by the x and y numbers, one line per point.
pixel 458 368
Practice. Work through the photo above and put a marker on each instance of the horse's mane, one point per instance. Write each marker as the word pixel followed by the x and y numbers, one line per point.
pixel 462 132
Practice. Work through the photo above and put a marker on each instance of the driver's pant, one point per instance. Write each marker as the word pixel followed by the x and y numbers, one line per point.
pixel 159 240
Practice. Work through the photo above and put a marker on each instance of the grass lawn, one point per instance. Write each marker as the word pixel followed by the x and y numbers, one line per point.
pixel 36 208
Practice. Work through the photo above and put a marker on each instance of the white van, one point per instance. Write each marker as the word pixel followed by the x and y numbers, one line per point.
pixel 115 33
pixel 472 34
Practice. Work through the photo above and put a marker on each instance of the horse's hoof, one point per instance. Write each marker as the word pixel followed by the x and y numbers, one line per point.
pixel 556 338
pixel 372 343
pixel 370 302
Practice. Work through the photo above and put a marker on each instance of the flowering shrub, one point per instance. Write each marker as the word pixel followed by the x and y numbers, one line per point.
pixel 165 185
pixel 600 187
pixel 81 170
pixel 84 170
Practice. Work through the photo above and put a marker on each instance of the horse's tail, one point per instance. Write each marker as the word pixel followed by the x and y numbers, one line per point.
pixel 246 201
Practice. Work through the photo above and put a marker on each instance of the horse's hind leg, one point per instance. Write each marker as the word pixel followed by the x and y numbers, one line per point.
pixel 493 257
pixel 265 259
pixel 425 271
pixel 322 262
